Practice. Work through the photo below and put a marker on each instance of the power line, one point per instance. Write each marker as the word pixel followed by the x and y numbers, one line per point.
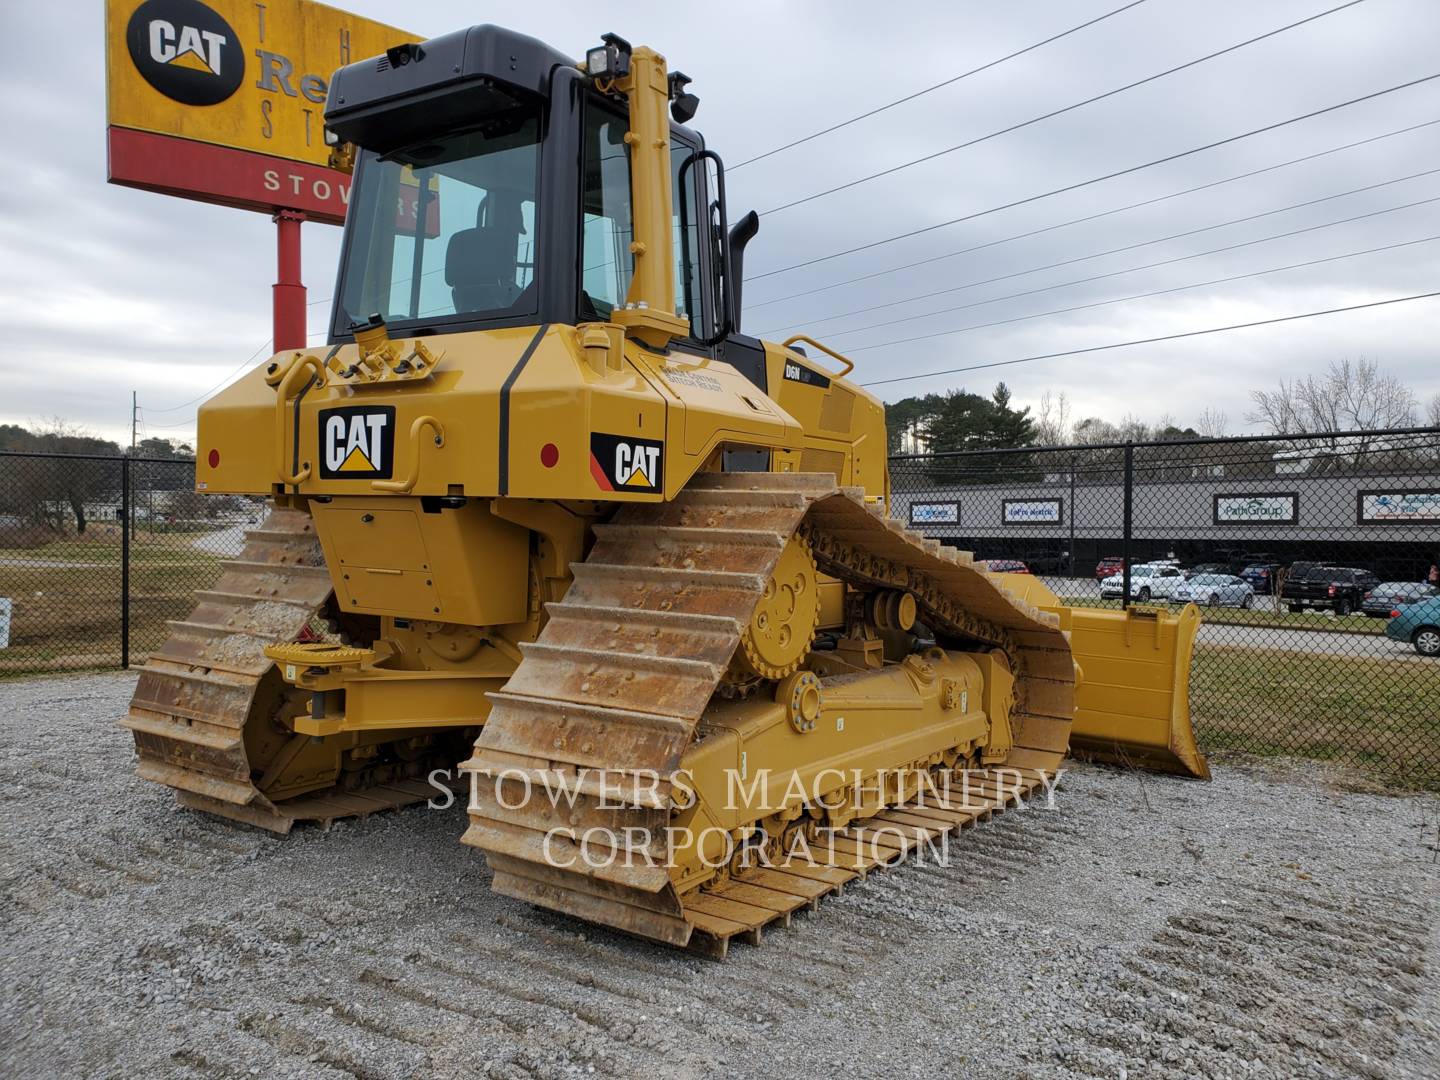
pixel 1061 111
pixel 1131 270
pixel 201 397
pixel 228 378
pixel 1142 341
pixel 1118 250
pixel 1095 216
pixel 1098 179
pixel 937 86
pixel 1174 289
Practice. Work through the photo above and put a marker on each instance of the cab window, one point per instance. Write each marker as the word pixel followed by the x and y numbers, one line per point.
pixel 606 263
pixel 607 224
pixel 446 228
pixel 686 212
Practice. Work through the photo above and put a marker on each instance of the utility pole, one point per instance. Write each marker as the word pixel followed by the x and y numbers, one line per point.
pixel 134 418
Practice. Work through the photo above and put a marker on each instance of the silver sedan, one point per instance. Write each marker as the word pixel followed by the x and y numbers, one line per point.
pixel 1216 590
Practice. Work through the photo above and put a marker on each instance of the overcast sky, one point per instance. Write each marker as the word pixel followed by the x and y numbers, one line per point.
pixel 107 289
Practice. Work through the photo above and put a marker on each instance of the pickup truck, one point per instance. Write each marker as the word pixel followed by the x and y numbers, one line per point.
pixel 1339 588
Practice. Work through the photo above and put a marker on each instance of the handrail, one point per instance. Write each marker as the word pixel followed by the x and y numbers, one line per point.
pixel 808 340
pixel 315 370
pixel 725 307
pixel 416 430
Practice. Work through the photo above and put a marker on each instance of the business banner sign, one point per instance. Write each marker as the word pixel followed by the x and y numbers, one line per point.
pixel 1268 508
pixel 224 101
pixel 1421 506
pixel 941 513
pixel 1032 511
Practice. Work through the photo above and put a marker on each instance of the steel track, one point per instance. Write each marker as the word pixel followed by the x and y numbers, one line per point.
pixel 208 697
pixel 620 676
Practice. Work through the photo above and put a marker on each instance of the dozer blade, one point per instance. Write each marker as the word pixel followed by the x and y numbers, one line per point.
pixel 1132 706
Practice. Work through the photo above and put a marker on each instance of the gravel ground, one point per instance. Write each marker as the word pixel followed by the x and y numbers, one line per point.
pixel 1273 923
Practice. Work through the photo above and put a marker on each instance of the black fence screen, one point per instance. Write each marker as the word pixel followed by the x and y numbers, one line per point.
pixel 1313 560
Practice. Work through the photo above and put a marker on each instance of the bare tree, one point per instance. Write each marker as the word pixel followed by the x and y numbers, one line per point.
pixel 1213 423
pixel 1432 411
pixel 75 479
pixel 1354 396
pixel 1093 430
pixel 1133 429
pixel 1052 423
pixel 1349 396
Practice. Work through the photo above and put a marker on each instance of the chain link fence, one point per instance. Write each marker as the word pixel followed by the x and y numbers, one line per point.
pixel 97 553
pixel 1298 550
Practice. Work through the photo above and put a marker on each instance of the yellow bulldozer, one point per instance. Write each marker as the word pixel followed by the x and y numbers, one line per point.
pixel 547 528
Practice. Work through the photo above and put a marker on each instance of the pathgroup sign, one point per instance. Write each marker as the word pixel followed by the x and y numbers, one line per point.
pixel 225 101
pixel 944 513
pixel 1276 509
pixel 1031 511
pixel 1400 506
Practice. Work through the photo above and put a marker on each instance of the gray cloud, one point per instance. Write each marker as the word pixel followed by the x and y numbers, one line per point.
pixel 106 290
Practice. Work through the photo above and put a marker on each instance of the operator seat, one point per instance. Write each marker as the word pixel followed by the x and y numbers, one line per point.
pixel 481 263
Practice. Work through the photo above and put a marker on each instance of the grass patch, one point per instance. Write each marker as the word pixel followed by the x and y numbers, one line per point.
pixel 68 617
pixel 1280 620
pixel 1373 713
pixel 105 548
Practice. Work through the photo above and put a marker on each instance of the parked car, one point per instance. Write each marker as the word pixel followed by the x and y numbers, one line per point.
pixel 1261 576
pixel 1148 581
pixel 1046 562
pixel 1230 560
pixel 1006 566
pixel 1110 564
pixel 1208 568
pixel 1342 589
pixel 1384 598
pixel 1216 590
pixel 1263 557
pixel 1419 624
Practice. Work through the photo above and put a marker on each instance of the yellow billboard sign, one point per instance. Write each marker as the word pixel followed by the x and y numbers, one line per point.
pixel 231 75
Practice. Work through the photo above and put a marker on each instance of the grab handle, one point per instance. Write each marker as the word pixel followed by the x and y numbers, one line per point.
pixel 416 430
pixel 849 364
pixel 314 370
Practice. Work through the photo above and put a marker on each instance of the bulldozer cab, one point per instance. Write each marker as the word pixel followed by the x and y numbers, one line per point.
pixel 511 200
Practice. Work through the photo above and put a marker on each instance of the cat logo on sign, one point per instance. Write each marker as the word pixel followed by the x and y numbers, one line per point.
pixel 186 50
pixel 357 442
pixel 626 463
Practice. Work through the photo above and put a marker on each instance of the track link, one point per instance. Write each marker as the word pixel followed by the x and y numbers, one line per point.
pixel 209 680
pixel 627 663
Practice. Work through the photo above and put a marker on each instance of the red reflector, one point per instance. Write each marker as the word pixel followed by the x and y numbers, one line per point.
pixel 549 455
pixel 1394 613
pixel 214 459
